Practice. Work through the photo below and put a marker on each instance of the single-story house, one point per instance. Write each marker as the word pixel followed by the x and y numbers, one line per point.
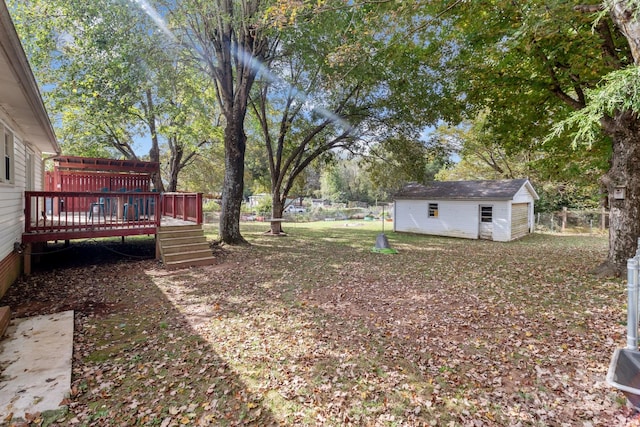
pixel 492 210
pixel 25 134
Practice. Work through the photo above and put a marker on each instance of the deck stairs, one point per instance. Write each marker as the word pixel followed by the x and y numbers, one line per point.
pixel 184 246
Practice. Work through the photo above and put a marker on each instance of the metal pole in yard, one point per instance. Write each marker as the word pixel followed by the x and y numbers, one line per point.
pixel 632 303
pixel 637 258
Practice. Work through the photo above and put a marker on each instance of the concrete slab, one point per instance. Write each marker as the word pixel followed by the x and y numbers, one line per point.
pixel 35 364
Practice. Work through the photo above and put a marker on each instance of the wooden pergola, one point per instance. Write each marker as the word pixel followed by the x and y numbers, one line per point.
pixel 95 174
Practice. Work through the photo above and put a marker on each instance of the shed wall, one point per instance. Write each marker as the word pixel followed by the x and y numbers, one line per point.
pixel 455 218
pixel 412 216
pixel 523 196
pixel 519 220
pixel 501 220
pixel 461 218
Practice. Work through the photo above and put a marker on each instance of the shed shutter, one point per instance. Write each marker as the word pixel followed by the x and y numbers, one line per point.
pixel 519 220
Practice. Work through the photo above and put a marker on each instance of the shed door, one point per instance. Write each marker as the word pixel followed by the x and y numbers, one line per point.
pixel 519 220
pixel 486 222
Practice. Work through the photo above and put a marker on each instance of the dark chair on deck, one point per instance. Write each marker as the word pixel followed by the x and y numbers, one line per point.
pixel 132 207
pixel 97 208
pixel 110 203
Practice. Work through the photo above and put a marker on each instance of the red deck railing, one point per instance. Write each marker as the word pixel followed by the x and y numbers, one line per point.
pixel 185 206
pixel 62 215
pixel 66 215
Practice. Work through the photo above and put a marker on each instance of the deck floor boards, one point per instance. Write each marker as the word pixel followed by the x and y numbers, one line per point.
pixel 81 225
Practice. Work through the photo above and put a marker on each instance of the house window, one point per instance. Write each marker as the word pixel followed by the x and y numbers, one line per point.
pixel 486 213
pixel 7 165
pixel 433 210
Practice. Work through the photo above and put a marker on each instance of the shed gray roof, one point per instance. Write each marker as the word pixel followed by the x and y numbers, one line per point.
pixel 465 190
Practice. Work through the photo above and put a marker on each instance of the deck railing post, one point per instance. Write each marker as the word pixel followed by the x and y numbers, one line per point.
pixel 185 213
pixel 158 208
pixel 174 204
pixel 27 212
pixel 199 208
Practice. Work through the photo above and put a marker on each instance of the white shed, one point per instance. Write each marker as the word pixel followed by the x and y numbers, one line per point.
pixel 492 210
pixel 25 134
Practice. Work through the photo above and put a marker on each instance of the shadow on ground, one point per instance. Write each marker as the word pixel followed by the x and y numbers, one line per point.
pixel 87 253
pixel 136 360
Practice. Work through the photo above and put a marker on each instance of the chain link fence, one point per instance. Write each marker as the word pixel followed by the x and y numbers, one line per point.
pixel 594 221
pixel 569 221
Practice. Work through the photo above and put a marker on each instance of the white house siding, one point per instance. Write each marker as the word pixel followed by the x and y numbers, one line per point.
pixel 12 206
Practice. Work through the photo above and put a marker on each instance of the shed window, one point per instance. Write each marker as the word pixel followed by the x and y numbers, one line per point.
pixel 433 210
pixel 486 213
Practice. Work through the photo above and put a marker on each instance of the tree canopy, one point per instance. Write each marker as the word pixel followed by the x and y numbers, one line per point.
pixel 112 80
pixel 530 65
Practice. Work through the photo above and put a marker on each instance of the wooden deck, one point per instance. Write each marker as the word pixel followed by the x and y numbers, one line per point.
pixel 82 227
pixel 53 216
pixel 77 215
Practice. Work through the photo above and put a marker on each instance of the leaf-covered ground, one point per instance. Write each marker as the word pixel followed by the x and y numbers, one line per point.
pixel 314 329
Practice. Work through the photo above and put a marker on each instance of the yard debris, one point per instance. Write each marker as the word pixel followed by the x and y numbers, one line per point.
pixel 309 331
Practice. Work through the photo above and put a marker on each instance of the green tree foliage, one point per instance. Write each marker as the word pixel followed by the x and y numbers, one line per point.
pixel 187 121
pixel 91 64
pixel 204 173
pixel 111 78
pixel 333 186
pixel 229 41
pixel 398 160
pixel 333 88
pixel 529 65
pixel 345 181
pixel 552 169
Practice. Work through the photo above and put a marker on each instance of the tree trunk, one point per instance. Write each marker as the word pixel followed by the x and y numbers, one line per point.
pixel 154 151
pixel 276 212
pixel 622 183
pixel 233 186
pixel 623 14
pixel 177 152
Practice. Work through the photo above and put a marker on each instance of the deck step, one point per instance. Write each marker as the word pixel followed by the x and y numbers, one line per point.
pixel 180 233
pixel 187 255
pixel 189 247
pixel 184 246
pixel 190 263
pixel 178 241
pixel 180 227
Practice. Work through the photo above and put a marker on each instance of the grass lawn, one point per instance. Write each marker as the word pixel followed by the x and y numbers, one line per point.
pixel 315 329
